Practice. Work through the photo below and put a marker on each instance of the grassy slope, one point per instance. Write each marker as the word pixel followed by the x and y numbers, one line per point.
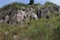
pixel 42 29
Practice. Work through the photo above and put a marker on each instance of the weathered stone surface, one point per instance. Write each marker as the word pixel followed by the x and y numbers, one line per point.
pixel 11 15
pixel 20 16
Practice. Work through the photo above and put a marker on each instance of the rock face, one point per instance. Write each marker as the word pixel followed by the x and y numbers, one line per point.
pixel 17 16
pixel 14 15
pixel 31 14
pixel 20 16
pixel 42 12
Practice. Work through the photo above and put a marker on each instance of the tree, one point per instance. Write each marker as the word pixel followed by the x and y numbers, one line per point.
pixel 31 2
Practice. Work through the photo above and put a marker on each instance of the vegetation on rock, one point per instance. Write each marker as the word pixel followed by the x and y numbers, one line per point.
pixel 41 29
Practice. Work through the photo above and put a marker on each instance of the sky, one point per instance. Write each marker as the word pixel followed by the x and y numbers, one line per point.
pixel 5 2
pixel 36 1
pixel 55 1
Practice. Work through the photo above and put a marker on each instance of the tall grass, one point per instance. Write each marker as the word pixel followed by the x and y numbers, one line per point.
pixel 42 29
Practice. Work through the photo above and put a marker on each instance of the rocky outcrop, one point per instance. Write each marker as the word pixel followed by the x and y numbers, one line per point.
pixel 43 12
pixel 13 14
pixel 17 16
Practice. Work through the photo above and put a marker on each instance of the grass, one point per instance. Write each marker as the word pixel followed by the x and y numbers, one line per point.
pixel 42 29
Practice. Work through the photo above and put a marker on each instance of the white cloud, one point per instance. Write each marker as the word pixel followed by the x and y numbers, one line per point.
pixel 55 1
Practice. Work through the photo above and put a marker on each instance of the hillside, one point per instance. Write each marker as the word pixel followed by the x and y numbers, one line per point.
pixel 20 21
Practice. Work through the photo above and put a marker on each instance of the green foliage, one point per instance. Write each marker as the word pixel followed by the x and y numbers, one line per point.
pixel 42 29
pixel 31 2
pixel 14 5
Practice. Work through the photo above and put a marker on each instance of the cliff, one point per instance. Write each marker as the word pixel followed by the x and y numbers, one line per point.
pixel 19 12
